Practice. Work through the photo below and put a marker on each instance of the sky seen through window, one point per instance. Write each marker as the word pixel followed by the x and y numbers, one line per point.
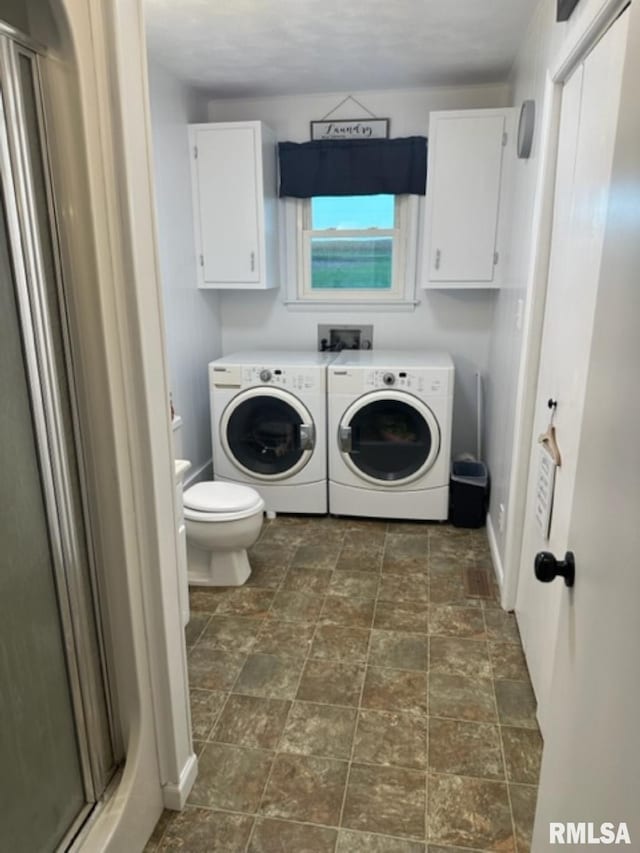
pixel 352 212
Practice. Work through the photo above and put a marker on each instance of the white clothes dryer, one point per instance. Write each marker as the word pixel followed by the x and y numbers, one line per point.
pixel 268 420
pixel 389 423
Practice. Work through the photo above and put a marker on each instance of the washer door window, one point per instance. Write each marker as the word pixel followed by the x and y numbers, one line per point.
pixel 389 438
pixel 267 433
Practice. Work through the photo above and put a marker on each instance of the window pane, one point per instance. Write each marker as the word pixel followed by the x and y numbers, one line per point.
pixel 353 212
pixel 351 263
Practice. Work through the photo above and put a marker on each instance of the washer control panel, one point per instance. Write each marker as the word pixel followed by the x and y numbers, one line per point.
pixel 417 382
pixel 292 378
pixel 407 380
pixel 295 379
pixel 423 382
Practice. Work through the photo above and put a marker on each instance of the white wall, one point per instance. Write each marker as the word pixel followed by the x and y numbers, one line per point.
pixel 528 81
pixel 512 369
pixel 192 316
pixel 456 321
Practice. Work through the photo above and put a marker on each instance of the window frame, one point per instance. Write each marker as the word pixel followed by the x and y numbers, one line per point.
pixel 405 234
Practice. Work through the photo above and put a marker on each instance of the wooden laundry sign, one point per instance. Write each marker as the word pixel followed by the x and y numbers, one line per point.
pixel 368 127
pixel 359 128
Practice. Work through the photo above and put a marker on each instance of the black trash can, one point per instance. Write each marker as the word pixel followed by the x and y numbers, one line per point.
pixel 469 494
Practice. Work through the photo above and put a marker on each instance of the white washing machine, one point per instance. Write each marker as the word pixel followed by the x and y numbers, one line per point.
pixel 268 419
pixel 389 424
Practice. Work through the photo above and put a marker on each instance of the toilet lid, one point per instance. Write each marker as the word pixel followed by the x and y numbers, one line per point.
pixel 220 497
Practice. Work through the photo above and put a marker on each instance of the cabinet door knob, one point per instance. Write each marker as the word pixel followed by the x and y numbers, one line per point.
pixel 438 258
pixel 253 261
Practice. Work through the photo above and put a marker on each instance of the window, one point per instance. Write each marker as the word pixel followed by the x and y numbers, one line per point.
pixel 352 248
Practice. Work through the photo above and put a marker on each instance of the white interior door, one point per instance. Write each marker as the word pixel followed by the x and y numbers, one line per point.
pixel 591 760
pixel 590 108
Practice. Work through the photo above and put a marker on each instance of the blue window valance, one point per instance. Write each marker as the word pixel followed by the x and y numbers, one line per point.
pixel 330 167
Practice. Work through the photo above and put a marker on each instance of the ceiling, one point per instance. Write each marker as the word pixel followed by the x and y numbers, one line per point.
pixel 238 48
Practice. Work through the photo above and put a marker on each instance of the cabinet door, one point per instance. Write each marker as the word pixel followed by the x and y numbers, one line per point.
pixel 227 188
pixel 466 162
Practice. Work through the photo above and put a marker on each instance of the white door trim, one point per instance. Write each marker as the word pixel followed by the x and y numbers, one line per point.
pixel 573 51
pixel 97 121
pixel 531 337
pixel 576 50
pixel 593 733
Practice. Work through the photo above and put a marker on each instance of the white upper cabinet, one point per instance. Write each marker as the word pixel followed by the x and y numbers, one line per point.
pixel 466 195
pixel 235 205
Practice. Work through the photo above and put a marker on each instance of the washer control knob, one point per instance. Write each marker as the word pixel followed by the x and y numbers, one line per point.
pixel 389 379
pixel 265 375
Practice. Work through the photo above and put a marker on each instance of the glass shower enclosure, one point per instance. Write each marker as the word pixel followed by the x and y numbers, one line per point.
pixel 57 751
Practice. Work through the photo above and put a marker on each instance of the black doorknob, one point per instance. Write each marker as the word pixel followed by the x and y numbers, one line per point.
pixel 547 567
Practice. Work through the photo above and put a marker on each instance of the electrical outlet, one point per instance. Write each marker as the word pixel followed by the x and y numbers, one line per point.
pixel 501 517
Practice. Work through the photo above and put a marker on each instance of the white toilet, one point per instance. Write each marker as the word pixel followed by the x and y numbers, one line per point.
pixel 222 520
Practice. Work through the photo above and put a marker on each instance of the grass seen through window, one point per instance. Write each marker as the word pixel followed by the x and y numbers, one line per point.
pixel 352 262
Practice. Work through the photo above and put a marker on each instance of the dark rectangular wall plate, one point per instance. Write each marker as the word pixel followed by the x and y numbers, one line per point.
pixel 334 338
pixel 565 9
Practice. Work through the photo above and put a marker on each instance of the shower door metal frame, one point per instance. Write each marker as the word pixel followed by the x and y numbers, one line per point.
pixel 75 575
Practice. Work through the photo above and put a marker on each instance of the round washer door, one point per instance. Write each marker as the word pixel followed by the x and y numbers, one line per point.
pixel 389 438
pixel 267 433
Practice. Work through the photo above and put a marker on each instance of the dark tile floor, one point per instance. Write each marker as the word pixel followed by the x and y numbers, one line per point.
pixel 354 698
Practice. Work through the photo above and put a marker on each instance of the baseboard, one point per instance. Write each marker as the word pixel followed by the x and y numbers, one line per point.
pixel 204 472
pixel 495 554
pixel 175 796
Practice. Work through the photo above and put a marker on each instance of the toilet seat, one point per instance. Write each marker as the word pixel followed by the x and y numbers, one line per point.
pixel 220 501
